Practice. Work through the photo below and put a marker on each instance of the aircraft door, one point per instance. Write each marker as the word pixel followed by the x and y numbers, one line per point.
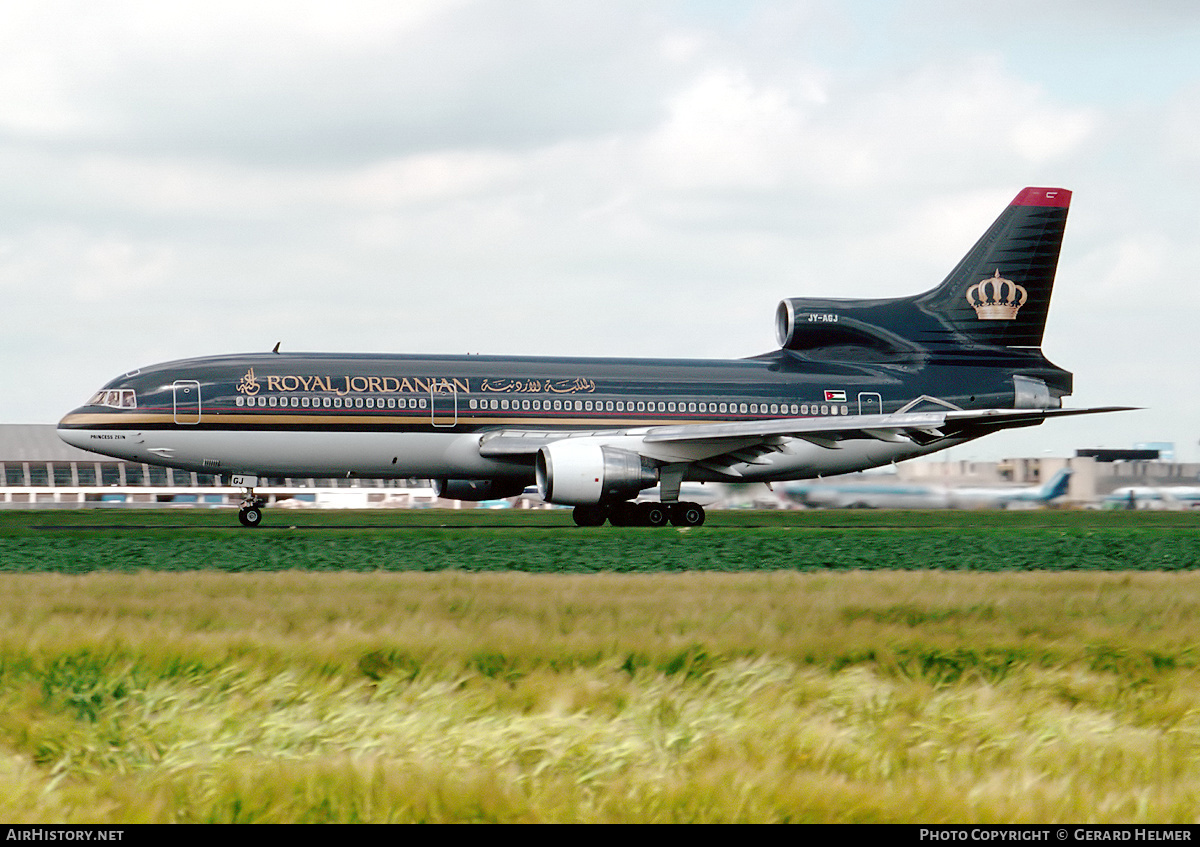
pixel 870 403
pixel 187 401
pixel 443 403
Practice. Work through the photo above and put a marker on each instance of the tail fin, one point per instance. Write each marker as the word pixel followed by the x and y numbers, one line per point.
pixel 1056 487
pixel 999 294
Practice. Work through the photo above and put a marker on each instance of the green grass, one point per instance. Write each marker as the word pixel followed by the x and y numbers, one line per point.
pixel 546 542
pixel 869 667
pixel 224 518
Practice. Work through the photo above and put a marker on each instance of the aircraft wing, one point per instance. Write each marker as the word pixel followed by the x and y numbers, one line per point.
pixel 720 446
pixel 517 443
pixel 694 442
pixel 991 420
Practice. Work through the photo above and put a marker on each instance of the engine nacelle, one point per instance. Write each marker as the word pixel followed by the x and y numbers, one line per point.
pixel 875 327
pixel 575 472
pixel 803 323
pixel 475 490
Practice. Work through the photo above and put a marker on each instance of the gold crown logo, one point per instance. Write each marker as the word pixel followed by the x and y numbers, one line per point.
pixel 996 298
pixel 248 384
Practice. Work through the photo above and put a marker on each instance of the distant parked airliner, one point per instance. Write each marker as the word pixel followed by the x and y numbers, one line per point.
pixel 855 384
pixel 880 494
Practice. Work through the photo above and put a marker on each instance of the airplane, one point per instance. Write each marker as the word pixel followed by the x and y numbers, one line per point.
pixel 885 495
pixel 855 384
pixel 1168 497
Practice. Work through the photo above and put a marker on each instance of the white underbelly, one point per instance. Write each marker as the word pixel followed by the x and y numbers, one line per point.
pixel 302 453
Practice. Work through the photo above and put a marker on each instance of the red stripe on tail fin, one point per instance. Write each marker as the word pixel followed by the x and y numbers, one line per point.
pixel 1058 198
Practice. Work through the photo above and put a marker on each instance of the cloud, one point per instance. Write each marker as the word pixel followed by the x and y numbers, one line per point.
pixel 723 131
pixel 300 85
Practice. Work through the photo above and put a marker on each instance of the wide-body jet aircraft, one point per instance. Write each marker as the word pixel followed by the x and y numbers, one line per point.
pixel 878 494
pixel 855 384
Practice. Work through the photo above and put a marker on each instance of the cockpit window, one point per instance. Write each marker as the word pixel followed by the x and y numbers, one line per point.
pixel 115 398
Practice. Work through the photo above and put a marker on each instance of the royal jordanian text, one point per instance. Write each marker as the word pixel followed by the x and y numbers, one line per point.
pixel 365 384
pixel 343 385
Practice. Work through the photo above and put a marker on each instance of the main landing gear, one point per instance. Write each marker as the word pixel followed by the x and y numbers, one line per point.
pixel 639 514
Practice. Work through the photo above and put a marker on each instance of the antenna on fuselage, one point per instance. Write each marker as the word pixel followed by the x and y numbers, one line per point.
pixel 275 349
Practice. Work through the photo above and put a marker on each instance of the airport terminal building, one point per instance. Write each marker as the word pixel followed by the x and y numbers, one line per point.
pixel 39 469
pixel 1095 474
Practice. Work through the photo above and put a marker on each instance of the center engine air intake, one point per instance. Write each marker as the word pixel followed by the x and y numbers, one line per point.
pixel 574 472
pixel 803 323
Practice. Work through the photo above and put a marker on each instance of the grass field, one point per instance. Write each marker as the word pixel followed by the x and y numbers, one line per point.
pixel 77 541
pixel 389 673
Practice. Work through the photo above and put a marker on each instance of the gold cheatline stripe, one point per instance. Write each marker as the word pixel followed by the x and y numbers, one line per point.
pixel 133 419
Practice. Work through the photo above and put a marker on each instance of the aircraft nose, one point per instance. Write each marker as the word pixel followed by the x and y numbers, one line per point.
pixel 74 437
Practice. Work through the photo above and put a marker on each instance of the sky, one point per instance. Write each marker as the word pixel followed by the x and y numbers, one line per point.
pixel 612 178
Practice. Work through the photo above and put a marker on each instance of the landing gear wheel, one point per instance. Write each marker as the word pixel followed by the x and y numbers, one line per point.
pixel 624 514
pixel 589 515
pixel 250 516
pixel 687 514
pixel 653 514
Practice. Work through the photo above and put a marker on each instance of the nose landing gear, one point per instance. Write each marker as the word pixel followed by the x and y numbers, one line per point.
pixel 251 512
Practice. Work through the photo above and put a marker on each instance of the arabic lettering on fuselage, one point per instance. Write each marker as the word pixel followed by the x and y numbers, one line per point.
pixel 534 386
pixel 506 386
pixel 250 384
